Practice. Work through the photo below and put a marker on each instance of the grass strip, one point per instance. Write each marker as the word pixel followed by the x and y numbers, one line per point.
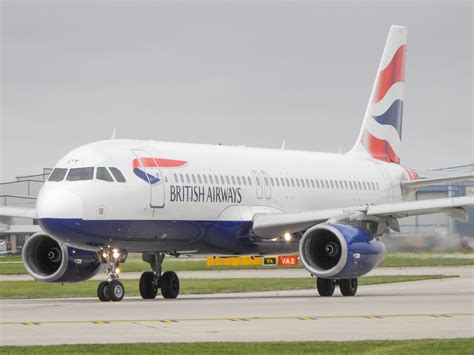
pixel 36 289
pixel 135 265
pixel 423 346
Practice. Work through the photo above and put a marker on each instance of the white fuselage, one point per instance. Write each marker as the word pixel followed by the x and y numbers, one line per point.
pixel 194 183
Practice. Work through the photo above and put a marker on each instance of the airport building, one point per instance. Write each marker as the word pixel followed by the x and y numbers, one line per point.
pixel 420 232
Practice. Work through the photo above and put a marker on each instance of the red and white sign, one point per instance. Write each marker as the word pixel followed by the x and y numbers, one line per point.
pixel 288 260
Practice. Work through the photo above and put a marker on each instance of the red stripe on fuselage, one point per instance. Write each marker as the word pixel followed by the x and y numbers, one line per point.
pixel 379 148
pixel 393 73
pixel 160 162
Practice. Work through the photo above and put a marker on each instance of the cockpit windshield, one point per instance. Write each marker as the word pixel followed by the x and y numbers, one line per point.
pixel 79 174
pixel 58 174
pixel 82 174
pixel 117 174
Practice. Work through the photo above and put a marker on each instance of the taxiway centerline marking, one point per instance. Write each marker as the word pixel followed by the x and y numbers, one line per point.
pixel 235 319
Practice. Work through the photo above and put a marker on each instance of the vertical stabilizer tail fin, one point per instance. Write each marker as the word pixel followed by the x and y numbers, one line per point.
pixel 381 133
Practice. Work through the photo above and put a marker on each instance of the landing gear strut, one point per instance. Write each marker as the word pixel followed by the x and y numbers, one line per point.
pixel 326 287
pixel 151 281
pixel 112 289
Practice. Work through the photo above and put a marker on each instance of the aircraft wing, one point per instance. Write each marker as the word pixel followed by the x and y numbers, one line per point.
pixel 414 184
pixel 270 225
pixel 22 212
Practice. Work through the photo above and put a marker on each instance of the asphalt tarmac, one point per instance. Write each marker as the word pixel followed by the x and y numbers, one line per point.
pixel 410 310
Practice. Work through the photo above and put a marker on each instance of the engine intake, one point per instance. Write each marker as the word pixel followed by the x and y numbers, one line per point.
pixel 49 261
pixel 339 251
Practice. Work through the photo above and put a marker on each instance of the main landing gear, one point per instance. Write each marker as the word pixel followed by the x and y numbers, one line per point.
pixel 151 281
pixel 112 289
pixel 326 287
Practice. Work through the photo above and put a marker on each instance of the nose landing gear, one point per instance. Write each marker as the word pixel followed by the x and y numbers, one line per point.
pixel 112 289
pixel 151 281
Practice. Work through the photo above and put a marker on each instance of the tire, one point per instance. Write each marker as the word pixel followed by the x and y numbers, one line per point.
pixel 148 290
pixel 103 291
pixel 348 287
pixel 169 284
pixel 325 287
pixel 116 291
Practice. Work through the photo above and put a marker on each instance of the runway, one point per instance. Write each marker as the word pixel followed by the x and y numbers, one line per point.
pixel 410 310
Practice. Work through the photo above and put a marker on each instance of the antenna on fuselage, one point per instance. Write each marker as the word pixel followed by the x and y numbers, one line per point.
pixel 283 144
pixel 113 134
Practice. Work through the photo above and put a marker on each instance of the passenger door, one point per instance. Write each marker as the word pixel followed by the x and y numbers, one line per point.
pixel 148 170
pixel 258 183
pixel 266 184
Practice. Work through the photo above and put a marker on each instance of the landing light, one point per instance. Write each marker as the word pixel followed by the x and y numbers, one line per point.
pixel 117 270
pixel 115 254
pixel 287 237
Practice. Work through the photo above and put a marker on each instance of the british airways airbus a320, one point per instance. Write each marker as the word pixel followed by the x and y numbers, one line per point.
pixel 106 199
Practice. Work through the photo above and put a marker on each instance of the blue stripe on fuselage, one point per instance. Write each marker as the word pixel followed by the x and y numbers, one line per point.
pixel 219 237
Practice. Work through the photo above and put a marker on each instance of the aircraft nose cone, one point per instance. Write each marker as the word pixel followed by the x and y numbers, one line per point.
pixel 58 203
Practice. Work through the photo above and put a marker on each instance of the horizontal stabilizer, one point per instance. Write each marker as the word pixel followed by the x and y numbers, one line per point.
pixel 414 184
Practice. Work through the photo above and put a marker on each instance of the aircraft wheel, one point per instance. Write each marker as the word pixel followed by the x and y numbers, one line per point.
pixel 348 287
pixel 169 284
pixel 325 287
pixel 103 291
pixel 148 290
pixel 116 290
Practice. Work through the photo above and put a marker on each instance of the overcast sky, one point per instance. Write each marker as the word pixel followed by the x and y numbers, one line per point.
pixel 237 72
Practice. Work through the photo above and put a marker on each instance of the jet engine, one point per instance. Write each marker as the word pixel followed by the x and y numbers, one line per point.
pixel 50 261
pixel 339 251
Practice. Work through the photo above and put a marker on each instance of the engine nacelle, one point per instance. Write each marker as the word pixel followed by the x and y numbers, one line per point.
pixel 50 261
pixel 339 251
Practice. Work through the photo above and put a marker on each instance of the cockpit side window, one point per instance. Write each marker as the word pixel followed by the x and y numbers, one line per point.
pixel 103 174
pixel 117 174
pixel 58 174
pixel 80 174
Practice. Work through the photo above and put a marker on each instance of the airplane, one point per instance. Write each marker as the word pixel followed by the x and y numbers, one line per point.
pixel 109 198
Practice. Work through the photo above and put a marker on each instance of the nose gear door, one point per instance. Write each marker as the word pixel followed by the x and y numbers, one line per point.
pixel 146 167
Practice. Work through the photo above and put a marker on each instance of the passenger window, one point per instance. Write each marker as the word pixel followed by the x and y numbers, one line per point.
pixel 377 184
pixel 277 182
pixel 210 179
pixel 265 179
pixel 222 180
pixel 199 178
pixel 244 180
pixel 364 186
pixel 103 174
pixel 302 183
pixel 332 184
pixel 182 178
pixel 272 182
pixel 233 180
pixel 175 178
pixel 292 182
pixel 216 179
pixel 204 177
pixel 250 181
pixel 312 183
pixel 227 179
pixel 238 180
pixel 188 180
pixel 297 183
pixel 346 185
pixel 80 174
pixel 58 174
pixel 317 183
pixel 359 184
pixel 336 184
pixel 194 178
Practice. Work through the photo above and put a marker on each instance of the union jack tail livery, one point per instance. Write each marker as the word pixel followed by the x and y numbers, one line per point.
pixel 381 131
